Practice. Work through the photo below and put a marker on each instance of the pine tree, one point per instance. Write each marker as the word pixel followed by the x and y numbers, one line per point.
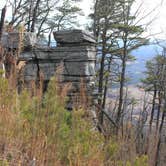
pixel 117 34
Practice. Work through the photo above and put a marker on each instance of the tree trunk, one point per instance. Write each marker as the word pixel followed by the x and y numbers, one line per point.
pixel 29 16
pixel 122 84
pixel 159 110
pixel 2 21
pixel 106 85
pixel 100 88
pixel 153 108
pixel 101 72
pixel 160 136
pixel 96 21
pixel 34 18
pixel 49 38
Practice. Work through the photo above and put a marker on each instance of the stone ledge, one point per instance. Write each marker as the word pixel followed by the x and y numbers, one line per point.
pixel 73 36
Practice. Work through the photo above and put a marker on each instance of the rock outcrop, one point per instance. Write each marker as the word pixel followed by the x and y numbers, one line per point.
pixel 75 49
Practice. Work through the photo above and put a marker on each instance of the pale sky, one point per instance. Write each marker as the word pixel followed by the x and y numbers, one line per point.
pixel 159 15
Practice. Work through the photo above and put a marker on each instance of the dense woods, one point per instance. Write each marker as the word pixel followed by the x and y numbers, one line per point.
pixel 121 130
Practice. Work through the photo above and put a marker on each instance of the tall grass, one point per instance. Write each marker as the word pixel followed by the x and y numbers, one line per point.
pixel 37 130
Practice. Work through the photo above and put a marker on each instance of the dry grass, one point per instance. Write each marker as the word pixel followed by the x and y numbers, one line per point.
pixel 36 129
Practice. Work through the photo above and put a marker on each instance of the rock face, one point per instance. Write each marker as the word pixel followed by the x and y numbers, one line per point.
pixel 75 50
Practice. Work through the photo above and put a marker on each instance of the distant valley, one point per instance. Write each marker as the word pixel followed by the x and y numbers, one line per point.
pixel 136 69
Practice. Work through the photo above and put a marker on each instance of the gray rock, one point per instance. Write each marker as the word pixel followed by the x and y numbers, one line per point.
pixel 73 36
pixel 76 51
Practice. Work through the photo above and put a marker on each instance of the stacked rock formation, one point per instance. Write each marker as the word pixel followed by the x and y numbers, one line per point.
pixel 75 50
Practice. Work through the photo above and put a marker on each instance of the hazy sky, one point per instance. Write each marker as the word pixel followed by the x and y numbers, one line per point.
pixel 157 26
